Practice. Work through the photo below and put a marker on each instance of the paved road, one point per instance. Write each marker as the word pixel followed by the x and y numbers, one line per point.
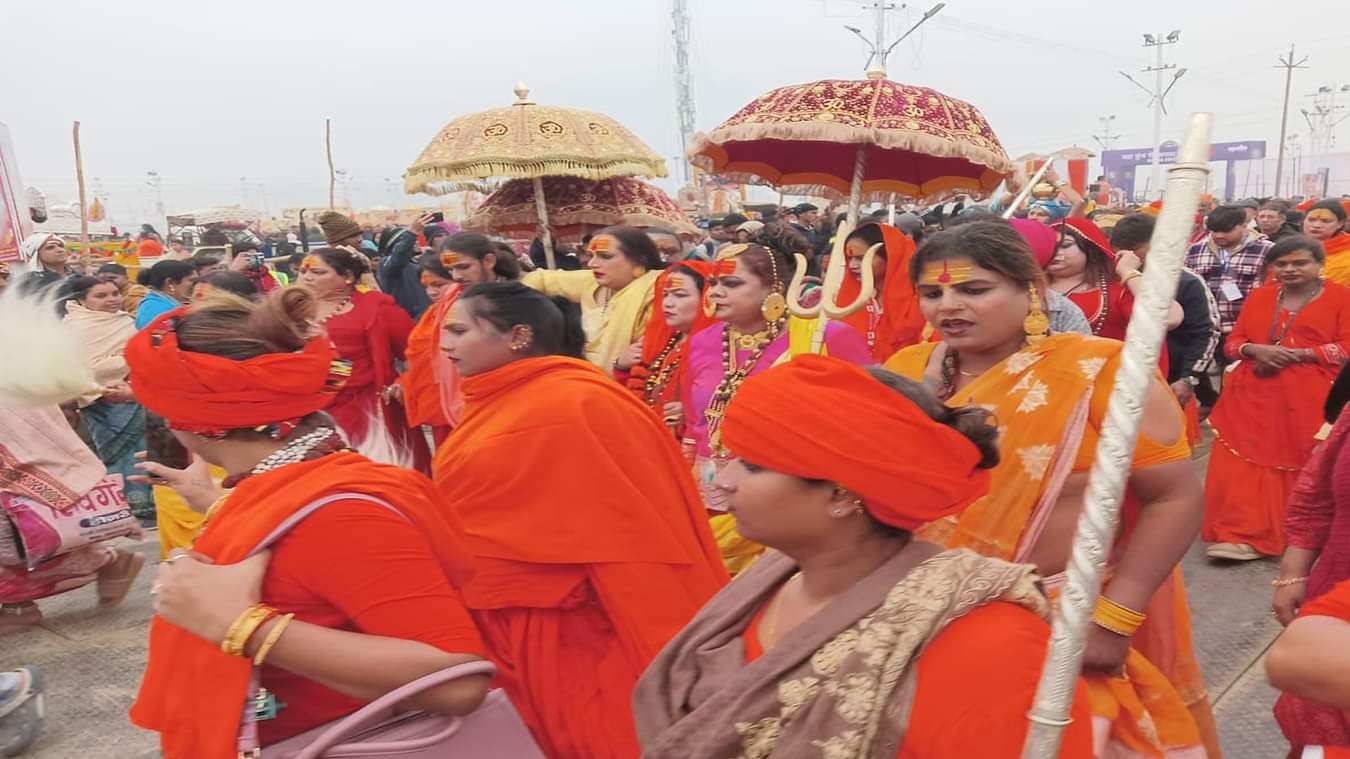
pixel 93 662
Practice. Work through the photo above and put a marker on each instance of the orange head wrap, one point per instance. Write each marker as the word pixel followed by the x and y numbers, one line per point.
pixel 211 395
pixel 827 419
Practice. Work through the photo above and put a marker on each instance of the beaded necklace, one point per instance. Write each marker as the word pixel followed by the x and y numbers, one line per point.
pixel 1098 318
pixel 660 372
pixel 731 382
pixel 314 445
pixel 873 320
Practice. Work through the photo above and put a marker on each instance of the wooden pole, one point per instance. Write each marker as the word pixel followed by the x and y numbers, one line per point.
pixel 85 258
pixel 332 175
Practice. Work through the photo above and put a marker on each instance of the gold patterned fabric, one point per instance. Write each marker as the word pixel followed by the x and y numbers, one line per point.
pixel 577 206
pixel 526 140
pixel 804 139
pixel 838 686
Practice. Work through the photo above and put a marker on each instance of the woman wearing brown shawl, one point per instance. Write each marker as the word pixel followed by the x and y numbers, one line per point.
pixel 849 637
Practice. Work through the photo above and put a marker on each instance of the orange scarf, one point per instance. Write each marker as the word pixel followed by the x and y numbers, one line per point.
pixel 658 334
pixel 1338 259
pixel 551 449
pixel 900 323
pixel 192 693
pixel 431 392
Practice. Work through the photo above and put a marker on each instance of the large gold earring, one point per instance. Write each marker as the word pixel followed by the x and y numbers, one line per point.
pixel 773 307
pixel 709 308
pixel 1037 324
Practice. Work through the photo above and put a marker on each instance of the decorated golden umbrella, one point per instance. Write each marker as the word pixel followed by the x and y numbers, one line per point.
pixel 862 139
pixel 575 206
pixel 530 141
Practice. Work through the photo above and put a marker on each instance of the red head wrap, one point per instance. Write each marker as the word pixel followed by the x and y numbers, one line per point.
pixel 658 333
pixel 1088 229
pixel 210 395
pixel 827 419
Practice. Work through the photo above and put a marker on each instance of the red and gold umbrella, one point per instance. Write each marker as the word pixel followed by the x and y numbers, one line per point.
pixel 870 138
pixel 575 206
pixel 861 139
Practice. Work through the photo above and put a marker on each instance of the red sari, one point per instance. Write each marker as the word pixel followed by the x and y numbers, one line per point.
pixel 372 335
pixel 1110 316
pixel 1318 520
pixel 891 320
pixel 1264 426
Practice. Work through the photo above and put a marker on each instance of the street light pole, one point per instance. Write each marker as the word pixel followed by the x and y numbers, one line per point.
pixel 1288 65
pixel 1159 109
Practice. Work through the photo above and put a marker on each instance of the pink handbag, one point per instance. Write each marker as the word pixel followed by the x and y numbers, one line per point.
pixel 376 730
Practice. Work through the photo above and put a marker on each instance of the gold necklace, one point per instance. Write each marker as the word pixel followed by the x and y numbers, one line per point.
pixel 748 341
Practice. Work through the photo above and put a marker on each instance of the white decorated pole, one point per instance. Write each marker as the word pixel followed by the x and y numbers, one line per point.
pixel 1111 468
pixel 1026 190
pixel 541 209
pixel 855 187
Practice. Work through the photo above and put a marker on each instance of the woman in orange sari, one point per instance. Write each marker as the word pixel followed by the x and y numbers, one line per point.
pixel 979 285
pixel 591 541
pixel 418 388
pixel 1325 223
pixel 359 598
pixel 891 319
pixel 655 368
pixel 1291 340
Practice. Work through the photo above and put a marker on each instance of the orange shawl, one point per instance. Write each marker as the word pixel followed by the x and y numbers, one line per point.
pixel 431 393
pixel 658 334
pixel 1338 259
pixel 555 463
pixel 901 323
pixel 192 693
pixel 1046 399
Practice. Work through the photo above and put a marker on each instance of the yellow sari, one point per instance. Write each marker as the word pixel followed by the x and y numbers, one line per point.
pixel 1050 401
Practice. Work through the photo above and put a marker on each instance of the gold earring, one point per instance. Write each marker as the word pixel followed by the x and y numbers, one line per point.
pixel 1037 324
pixel 709 308
pixel 773 307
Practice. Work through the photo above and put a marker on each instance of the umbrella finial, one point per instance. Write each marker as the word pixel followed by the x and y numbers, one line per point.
pixel 876 72
pixel 522 94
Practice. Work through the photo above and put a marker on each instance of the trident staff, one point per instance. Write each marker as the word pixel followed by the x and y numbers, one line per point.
pixel 1106 482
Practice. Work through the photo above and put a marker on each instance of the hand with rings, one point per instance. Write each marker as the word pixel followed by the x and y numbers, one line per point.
pixel 205 598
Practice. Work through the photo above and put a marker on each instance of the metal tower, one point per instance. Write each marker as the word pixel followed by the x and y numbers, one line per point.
pixel 684 84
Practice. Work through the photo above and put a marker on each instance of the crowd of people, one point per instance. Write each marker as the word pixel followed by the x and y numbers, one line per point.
pixel 414 448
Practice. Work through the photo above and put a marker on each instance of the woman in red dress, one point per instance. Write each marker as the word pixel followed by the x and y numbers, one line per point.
pixel 371 331
pixel 1103 284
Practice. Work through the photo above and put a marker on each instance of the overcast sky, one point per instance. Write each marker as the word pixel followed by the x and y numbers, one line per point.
pixel 205 92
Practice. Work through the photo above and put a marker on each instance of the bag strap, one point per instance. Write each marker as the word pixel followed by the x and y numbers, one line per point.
pixel 248 723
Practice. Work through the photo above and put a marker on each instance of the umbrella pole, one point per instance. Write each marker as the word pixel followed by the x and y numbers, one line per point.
pixel 834 273
pixel 85 254
pixel 332 175
pixel 541 209
pixel 890 211
pixel 1106 482
pixel 855 189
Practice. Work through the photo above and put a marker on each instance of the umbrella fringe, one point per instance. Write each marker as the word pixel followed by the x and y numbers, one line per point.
pixel 885 139
pixel 421 178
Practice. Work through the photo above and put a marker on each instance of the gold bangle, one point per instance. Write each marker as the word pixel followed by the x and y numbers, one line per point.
pixel 244 627
pixel 1115 618
pixel 1288 582
pixel 273 636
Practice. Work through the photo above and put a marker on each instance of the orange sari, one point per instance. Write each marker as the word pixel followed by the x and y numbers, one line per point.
pixel 1338 259
pixel 590 539
pixel 192 693
pixel 430 385
pixel 1051 400
pixel 1265 426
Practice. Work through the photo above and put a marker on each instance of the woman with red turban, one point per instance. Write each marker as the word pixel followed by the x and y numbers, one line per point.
pixel 847 602
pixel 655 368
pixel 359 598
